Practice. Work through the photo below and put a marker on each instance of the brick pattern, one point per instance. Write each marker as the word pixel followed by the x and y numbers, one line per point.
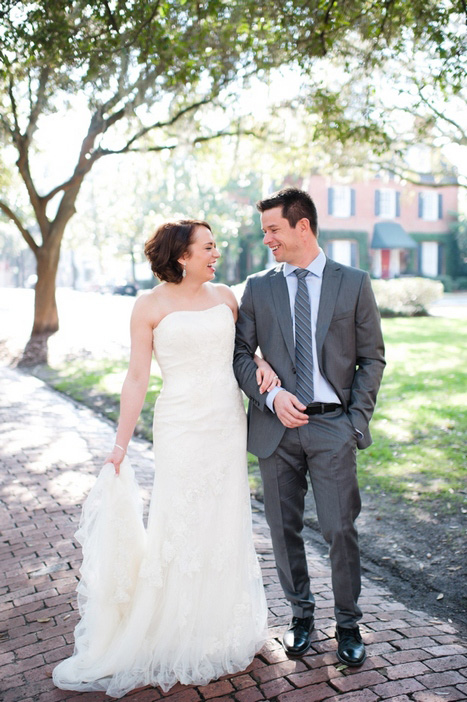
pixel 51 449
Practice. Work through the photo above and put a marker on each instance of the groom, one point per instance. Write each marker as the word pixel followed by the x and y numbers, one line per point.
pixel 316 322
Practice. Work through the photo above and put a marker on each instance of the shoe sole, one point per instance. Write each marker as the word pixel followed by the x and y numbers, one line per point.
pixel 351 665
pixel 299 654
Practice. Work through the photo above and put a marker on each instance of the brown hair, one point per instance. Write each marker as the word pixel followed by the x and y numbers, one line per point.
pixel 168 243
pixel 296 204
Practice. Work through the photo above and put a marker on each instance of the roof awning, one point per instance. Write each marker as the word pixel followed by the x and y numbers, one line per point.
pixel 390 235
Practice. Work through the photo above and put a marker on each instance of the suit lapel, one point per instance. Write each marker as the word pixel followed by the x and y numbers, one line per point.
pixel 280 296
pixel 332 275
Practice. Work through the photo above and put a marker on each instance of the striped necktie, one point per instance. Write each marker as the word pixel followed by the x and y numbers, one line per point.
pixel 303 348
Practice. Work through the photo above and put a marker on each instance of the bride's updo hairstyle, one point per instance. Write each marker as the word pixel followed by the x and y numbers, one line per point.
pixel 168 243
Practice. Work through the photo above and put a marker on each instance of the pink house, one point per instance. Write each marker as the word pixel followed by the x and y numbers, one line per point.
pixel 386 226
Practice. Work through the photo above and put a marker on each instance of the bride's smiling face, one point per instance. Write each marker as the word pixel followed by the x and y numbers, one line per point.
pixel 202 255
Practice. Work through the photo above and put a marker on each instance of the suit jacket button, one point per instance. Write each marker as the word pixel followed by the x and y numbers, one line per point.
pixel 294 371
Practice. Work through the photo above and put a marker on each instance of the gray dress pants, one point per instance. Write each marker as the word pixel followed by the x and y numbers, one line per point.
pixel 326 449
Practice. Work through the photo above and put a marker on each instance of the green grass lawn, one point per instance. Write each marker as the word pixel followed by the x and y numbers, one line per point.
pixel 419 427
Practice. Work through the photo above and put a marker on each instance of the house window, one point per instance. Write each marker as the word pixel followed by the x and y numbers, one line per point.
pixel 341 201
pixel 430 206
pixel 429 258
pixel 343 251
pixel 387 203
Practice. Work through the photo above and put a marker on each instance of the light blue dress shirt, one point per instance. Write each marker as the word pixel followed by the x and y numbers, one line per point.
pixel 323 391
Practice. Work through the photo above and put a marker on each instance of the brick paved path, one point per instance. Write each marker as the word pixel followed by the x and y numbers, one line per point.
pixel 50 451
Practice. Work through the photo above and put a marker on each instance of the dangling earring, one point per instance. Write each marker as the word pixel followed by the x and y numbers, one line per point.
pixel 184 271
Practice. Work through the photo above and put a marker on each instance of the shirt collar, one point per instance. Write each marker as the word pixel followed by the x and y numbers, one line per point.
pixel 316 267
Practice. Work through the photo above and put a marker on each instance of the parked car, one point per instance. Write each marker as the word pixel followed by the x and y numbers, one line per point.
pixel 125 289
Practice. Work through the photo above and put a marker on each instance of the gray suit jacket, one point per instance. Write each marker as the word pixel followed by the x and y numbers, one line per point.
pixel 349 345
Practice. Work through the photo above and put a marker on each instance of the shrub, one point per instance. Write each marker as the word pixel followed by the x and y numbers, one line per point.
pixel 460 283
pixel 406 297
pixel 447 281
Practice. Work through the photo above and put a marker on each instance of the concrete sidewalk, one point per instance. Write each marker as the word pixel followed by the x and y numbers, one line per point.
pixel 50 451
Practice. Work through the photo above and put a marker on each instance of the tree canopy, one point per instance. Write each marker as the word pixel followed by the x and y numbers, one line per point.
pixel 146 67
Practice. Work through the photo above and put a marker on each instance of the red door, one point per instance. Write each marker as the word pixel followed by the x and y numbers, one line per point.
pixel 385 255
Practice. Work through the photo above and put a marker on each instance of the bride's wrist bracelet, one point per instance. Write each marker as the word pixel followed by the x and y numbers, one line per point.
pixel 120 447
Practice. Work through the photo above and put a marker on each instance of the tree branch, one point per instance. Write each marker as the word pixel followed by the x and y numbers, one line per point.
pixel 132 38
pixel 156 125
pixel 37 108
pixel 441 115
pixel 36 201
pixel 22 142
pixel 6 125
pixel 87 157
pixel 13 106
pixel 408 174
pixel 77 175
pixel 111 17
pixel 197 140
pixel 322 34
pixel 25 233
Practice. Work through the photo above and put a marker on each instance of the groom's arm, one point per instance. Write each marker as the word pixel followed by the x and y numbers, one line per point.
pixel 246 344
pixel 370 357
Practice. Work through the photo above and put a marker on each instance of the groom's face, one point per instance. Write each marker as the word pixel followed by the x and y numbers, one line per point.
pixel 284 241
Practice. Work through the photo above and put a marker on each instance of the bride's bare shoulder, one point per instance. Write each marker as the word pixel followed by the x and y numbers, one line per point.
pixel 225 294
pixel 150 304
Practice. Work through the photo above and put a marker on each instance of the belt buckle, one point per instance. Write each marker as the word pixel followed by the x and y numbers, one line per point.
pixel 314 408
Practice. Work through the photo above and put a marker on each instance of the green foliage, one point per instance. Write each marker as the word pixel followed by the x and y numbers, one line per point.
pixel 459 228
pixel 139 49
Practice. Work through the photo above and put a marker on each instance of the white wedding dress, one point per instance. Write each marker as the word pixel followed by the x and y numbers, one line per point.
pixel 183 600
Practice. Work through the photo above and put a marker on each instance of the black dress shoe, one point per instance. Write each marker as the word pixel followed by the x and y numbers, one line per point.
pixel 350 648
pixel 297 638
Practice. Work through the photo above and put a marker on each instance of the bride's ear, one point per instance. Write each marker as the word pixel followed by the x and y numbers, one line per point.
pixel 183 258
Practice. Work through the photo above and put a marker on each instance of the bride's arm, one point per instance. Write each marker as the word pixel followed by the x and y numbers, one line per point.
pixel 136 381
pixel 265 375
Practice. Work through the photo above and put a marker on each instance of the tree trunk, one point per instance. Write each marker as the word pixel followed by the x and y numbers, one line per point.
pixel 45 306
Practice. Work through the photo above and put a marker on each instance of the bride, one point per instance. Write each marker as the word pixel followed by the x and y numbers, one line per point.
pixel 183 600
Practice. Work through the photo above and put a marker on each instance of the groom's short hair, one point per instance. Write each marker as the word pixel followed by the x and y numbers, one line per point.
pixel 296 204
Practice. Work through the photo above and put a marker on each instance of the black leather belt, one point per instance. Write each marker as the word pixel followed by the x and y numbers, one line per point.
pixel 321 407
